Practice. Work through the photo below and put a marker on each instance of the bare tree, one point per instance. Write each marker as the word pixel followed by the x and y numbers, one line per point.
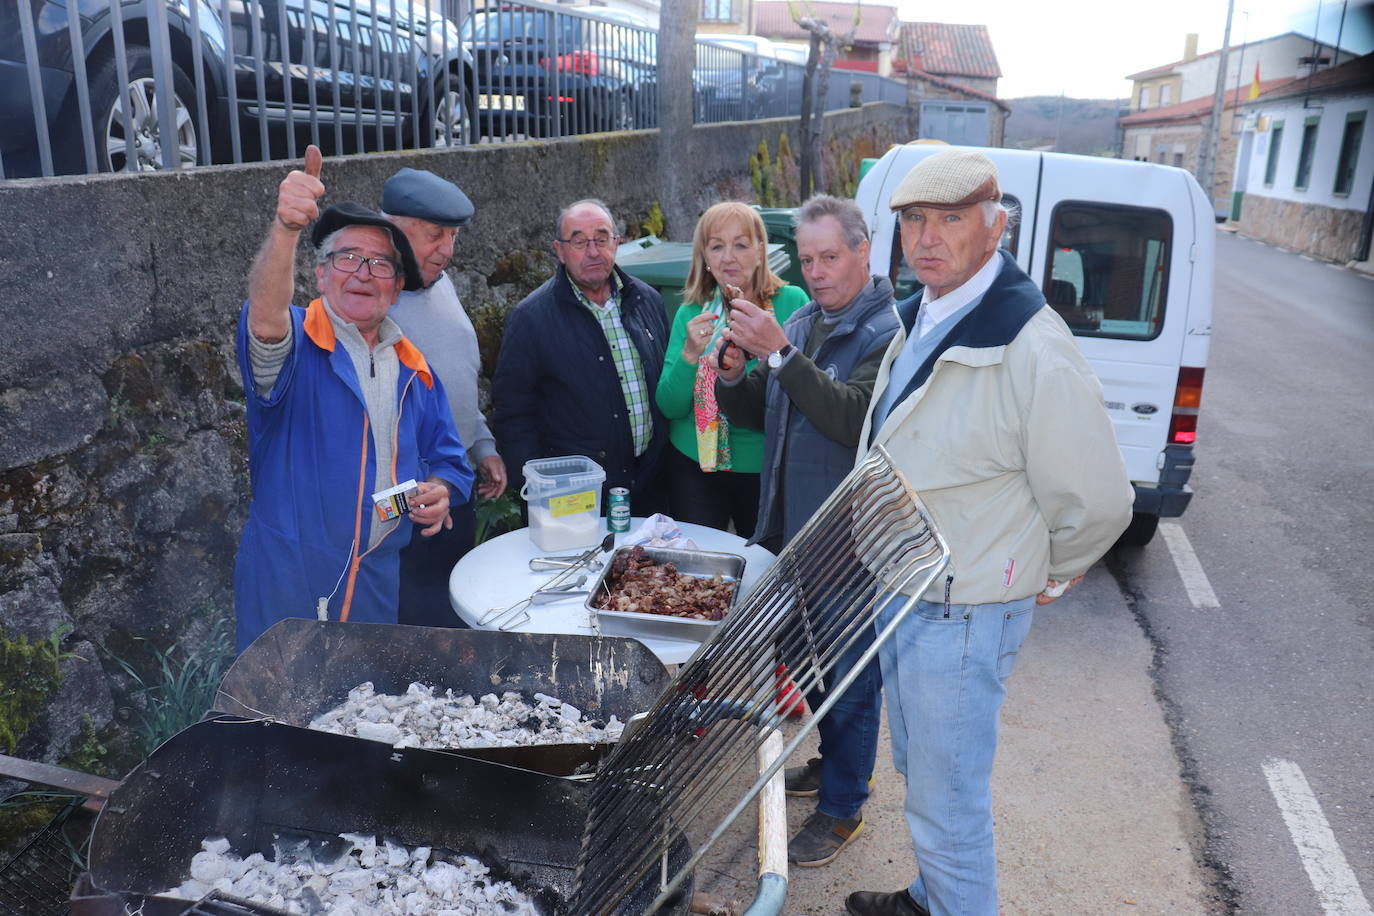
pixel 825 46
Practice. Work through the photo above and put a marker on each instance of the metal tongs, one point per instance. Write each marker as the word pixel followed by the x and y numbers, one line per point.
pixel 561 586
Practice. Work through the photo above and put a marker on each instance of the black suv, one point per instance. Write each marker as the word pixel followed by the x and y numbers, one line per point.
pixel 378 80
pixel 545 72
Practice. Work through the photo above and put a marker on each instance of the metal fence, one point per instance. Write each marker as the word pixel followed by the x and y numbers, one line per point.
pixel 82 85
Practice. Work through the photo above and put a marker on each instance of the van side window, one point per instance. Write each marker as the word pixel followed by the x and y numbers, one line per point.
pixel 903 278
pixel 1108 269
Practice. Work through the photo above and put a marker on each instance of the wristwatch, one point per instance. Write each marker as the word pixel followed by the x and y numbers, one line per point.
pixel 777 356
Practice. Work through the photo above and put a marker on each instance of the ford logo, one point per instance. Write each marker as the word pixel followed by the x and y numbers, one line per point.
pixel 1144 409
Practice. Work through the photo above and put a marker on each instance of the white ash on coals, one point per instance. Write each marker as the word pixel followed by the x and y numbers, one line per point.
pixel 422 718
pixel 385 879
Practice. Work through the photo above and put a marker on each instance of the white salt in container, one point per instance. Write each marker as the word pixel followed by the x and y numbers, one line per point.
pixel 564 497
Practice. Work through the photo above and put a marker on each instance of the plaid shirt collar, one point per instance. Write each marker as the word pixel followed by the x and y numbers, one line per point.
pixel 616 287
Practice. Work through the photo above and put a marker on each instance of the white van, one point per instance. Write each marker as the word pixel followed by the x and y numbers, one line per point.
pixel 1124 252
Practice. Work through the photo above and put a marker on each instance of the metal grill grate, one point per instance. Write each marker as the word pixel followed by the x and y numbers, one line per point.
pixel 219 904
pixel 38 881
pixel 871 537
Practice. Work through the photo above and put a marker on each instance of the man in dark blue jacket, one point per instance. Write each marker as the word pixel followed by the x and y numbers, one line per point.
pixel 580 361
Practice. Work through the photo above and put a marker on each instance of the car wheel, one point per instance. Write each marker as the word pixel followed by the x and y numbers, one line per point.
pixel 113 148
pixel 1140 531
pixel 451 121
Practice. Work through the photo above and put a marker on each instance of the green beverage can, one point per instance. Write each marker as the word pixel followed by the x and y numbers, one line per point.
pixel 618 514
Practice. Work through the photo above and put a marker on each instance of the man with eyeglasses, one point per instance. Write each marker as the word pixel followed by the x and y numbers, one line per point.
pixel 580 360
pixel 341 406
pixel 431 211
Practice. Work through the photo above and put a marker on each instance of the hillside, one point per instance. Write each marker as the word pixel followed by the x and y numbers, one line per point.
pixel 1087 125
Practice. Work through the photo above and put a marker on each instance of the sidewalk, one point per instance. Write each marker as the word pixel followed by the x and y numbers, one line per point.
pixel 1092 817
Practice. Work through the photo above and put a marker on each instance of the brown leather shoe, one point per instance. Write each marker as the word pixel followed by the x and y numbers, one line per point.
pixel 873 903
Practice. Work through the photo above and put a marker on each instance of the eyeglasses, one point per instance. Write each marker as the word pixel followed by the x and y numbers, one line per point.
pixel 350 263
pixel 582 242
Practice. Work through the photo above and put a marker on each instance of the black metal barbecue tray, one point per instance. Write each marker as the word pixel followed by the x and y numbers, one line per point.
pixel 252 781
pixel 299 669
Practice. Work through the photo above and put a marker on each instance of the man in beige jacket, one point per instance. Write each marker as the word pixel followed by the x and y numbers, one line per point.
pixel 991 413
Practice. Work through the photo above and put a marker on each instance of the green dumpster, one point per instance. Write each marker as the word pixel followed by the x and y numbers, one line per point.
pixel 664 266
pixel 778 222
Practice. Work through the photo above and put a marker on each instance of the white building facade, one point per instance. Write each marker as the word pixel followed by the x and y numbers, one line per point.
pixel 1305 166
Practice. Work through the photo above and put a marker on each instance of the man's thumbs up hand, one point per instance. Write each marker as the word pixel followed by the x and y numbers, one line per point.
pixel 299 193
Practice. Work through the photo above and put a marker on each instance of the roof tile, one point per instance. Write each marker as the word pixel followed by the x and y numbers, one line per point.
pixel 949 50
pixel 1193 108
pixel 1357 74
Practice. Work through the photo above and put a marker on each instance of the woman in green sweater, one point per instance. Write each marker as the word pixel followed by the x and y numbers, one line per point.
pixel 713 465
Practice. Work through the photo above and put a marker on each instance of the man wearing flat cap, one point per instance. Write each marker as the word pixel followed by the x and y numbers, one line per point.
pixel 991 413
pixel 431 210
pixel 341 406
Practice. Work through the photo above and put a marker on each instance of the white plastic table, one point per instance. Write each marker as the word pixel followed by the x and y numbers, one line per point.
pixel 496 574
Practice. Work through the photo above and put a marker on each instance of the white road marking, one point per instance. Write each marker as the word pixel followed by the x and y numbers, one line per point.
pixel 1189 568
pixel 1337 890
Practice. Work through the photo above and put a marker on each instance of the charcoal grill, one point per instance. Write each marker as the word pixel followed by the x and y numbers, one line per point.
pixel 253 780
pixel 616 844
pixel 299 669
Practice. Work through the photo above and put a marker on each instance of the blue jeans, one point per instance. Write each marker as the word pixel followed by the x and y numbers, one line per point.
pixel 849 734
pixel 945 681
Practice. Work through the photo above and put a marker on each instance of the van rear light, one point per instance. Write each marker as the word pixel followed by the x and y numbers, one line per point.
pixel 1187 400
pixel 583 62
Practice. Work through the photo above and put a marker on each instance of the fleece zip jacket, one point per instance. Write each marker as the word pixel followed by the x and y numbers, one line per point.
pixel 312 456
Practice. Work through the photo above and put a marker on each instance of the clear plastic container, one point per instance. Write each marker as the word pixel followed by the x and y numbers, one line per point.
pixel 564 497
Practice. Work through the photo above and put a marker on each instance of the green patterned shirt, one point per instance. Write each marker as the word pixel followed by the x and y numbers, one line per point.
pixel 627 363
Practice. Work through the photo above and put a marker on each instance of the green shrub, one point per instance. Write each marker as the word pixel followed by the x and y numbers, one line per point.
pixel 29 671
pixel 181 686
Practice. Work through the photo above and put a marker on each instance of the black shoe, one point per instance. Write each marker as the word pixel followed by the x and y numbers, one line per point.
pixel 805 781
pixel 872 903
pixel 821 838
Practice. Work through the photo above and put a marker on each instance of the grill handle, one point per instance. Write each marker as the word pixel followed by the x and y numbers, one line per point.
pixel 95 788
pixel 772 887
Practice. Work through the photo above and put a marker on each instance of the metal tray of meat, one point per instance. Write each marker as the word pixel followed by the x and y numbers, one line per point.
pixel 700 563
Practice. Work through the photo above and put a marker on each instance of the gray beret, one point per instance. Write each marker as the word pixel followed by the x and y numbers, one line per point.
pixel 951 179
pixel 424 195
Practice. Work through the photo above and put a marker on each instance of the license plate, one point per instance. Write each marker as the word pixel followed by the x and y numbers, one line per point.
pixel 502 102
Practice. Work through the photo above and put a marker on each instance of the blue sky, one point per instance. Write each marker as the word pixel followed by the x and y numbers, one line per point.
pixel 1085 48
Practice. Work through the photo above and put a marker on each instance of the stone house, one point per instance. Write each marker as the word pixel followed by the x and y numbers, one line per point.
pixel 1304 174
pixel 1174 134
pixel 952 75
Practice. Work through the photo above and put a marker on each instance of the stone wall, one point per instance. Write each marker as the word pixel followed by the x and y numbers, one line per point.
pixel 123 474
pixel 1318 231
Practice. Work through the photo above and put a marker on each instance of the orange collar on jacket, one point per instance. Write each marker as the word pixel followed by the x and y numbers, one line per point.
pixel 320 329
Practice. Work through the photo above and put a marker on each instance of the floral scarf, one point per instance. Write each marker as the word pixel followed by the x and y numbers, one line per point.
pixel 713 429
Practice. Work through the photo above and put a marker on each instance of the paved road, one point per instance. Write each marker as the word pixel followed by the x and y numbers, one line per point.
pixel 1270 694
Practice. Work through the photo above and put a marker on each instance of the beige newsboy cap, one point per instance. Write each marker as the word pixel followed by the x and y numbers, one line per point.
pixel 952 179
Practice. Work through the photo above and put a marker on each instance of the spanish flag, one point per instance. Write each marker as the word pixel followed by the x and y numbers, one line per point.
pixel 1254 87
